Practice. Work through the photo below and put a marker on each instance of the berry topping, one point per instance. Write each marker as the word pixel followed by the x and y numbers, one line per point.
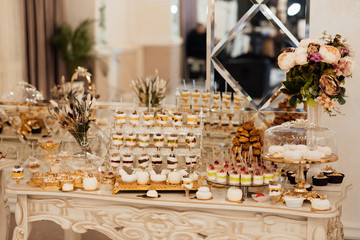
pixel 216 162
pixel 260 195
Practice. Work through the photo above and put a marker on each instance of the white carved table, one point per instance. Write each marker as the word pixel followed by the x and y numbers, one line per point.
pixel 4 208
pixel 173 216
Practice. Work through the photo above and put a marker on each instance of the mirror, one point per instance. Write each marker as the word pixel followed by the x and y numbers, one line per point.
pixel 249 37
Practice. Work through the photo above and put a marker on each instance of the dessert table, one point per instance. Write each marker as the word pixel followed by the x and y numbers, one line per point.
pixel 4 208
pixel 173 216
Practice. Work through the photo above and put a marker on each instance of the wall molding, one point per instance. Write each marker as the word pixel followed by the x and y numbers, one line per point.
pixel 351 230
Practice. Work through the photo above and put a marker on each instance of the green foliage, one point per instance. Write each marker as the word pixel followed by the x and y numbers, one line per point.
pixel 75 46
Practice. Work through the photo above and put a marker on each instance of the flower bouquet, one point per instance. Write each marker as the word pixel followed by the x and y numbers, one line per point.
pixel 150 90
pixel 316 71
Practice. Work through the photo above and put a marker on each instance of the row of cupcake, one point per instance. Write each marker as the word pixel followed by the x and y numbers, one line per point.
pixel 147 119
pixel 143 140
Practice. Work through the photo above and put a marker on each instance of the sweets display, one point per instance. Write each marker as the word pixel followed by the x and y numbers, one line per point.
pixel 247 136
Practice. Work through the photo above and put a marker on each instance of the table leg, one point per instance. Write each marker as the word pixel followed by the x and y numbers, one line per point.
pixel 23 227
pixel 4 212
pixel 317 229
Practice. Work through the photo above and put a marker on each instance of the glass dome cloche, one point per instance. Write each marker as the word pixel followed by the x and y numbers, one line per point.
pixel 299 141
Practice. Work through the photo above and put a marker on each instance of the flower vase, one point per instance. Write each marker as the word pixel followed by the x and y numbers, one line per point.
pixel 314 117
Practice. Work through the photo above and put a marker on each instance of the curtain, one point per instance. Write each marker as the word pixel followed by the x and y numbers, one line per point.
pixel 44 67
pixel 12 57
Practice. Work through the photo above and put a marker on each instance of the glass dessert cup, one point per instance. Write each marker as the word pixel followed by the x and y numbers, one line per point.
pixel 49 145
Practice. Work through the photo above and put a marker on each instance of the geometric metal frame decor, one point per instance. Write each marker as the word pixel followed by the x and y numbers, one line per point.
pixel 213 52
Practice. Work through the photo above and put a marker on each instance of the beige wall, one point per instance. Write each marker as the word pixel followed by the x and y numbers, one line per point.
pixel 343 17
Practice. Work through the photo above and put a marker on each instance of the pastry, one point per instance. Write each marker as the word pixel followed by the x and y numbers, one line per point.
pixel 152 194
pixel 258 178
pixel 211 173
pixel 158 140
pixel 130 140
pixel 172 161
pixel 245 179
pixel 173 140
pixel 234 178
pixel 144 140
pixel 156 160
pixel 174 177
pixel 120 117
pixel 134 118
pixel 162 118
pixel 143 160
pixel 51 182
pixel 67 187
pixel 320 180
pixel 292 155
pixel 177 119
pixel 234 194
pixel 203 193
pixel 268 176
pixel 320 204
pixel 148 119
pixel 142 178
pixel 274 189
pixel 335 177
pixel 221 176
pixel 128 160
pixel 90 183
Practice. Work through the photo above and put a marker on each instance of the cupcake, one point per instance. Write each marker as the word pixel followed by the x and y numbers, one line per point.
pixel 143 160
pixel 172 161
pixel 211 173
pixel 162 118
pixel 156 160
pixel 148 119
pixel 134 118
pixel 245 179
pixel 335 177
pixel 120 117
pixel 128 160
pixel 328 170
pixel 320 180
pixel 144 140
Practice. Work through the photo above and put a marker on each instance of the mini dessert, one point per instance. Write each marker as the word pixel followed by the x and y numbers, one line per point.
pixel 216 96
pixel 326 150
pixel 217 165
pixel 185 106
pixel 276 151
pixel 308 187
pixel 221 176
pixel 191 119
pixel 320 180
pixel 34 165
pixel 143 160
pixel 18 173
pixel 258 178
pixel 55 167
pixel 335 177
pixel 206 95
pixel 274 189
pixel 245 179
pixel 117 139
pixel 289 173
pixel 328 170
pixel 292 154
pixel 152 194
pixel 162 118
pixel 114 158
pixel 144 140
pixel 156 160
pixel 234 178
pixel 185 95
pixel 134 119
pixel 320 204
pixel 294 202
pixel 174 177
pixel 190 140
pixel 120 117
pixel 142 178
pixel 190 161
pixel 90 183
pixel 172 161
pixel 128 160
pixel 148 119
pixel 260 197
pixel 66 187
pixel 127 178
pixel 158 178
pixel 159 140
pixel 195 96
pixel 36 129
pixel 195 106
pixel 173 141
pixel 130 140
pixel 211 173
pixel 203 193
pixel 313 155
pixel 234 194
pixel 268 176
pixel 109 178
pixel 188 183
pixel 177 119
pixel 51 182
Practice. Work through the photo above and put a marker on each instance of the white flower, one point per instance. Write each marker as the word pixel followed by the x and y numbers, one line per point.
pixel 286 61
pixel 349 66
pixel 301 56
pixel 305 42
pixel 329 54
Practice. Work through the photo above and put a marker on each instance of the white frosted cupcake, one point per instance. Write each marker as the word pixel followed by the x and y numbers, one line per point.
pixel 142 178
pixel 174 177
